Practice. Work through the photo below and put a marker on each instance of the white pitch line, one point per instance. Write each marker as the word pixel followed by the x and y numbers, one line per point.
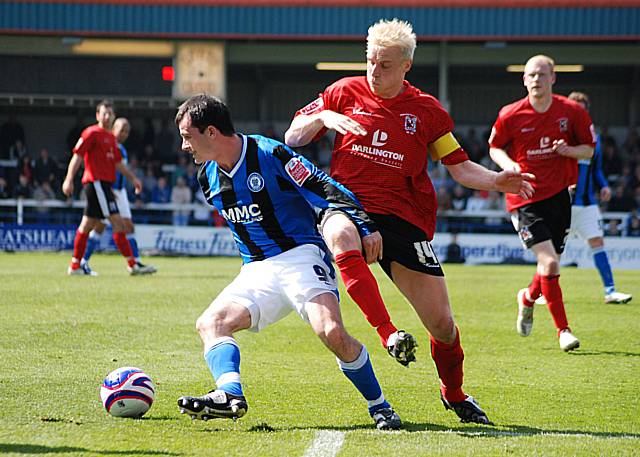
pixel 327 443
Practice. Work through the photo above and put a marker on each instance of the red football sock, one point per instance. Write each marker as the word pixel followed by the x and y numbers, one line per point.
pixel 363 289
pixel 553 293
pixel 448 359
pixel 120 238
pixel 535 289
pixel 79 246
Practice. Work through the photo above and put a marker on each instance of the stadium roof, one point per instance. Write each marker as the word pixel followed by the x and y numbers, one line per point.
pixel 452 20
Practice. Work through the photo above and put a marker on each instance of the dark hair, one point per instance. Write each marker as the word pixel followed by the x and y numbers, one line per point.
pixel 105 103
pixel 205 110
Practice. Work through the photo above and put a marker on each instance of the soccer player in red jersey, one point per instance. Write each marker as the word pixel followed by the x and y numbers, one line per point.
pixel 98 149
pixel 544 134
pixel 385 131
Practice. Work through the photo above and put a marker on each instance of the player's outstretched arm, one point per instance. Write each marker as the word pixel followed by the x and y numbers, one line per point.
pixel 475 176
pixel 305 127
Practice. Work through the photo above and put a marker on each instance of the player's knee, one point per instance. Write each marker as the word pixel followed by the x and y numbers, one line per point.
pixel 342 237
pixel 444 329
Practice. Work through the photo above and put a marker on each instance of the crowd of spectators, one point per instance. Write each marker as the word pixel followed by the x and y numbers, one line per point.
pixel 169 176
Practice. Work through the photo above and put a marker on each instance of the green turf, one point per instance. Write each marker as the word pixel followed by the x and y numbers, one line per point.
pixel 60 335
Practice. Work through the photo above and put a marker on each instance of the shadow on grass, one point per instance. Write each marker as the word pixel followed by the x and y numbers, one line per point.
pixel 510 430
pixel 22 448
pixel 621 353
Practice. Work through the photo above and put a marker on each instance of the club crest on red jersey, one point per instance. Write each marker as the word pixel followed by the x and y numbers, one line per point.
pixel 410 123
pixel 297 170
pixel 563 123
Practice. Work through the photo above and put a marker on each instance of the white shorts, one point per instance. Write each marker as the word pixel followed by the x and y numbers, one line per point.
pixel 123 203
pixel 270 289
pixel 586 222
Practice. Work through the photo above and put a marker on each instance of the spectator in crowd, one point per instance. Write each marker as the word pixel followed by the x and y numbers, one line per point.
pixel 459 199
pixel 621 201
pixel 23 188
pixel 180 171
pixel 18 150
pixel 10 132
pixel 46 168
pixel 161 193
pixel 444 199
pixel 613 228
pixel 633 228
pixel 477 202
pixel 41 193
pixel 202 213
pixel 149 183
pixel 181 195
pixel 4 189
pixel 454 251
pixel 631 143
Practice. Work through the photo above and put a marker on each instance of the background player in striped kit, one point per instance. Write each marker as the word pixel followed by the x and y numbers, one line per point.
pixel 385 131
pixel 98 149
pixel 586 220
pixel 121 129
pixel 268 194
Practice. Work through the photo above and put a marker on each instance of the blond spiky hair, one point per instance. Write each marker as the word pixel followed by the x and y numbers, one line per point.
pixel 385 33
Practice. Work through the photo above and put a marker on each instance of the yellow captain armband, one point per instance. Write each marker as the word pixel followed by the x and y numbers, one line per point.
pixel 443 146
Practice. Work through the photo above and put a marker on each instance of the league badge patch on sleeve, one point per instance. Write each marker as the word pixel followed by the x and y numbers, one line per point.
pixel 314 106
pixel 297 170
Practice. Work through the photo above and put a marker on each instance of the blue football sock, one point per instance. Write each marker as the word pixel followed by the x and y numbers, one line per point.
pixel 223 359
pixel 360 373
pixel 92 243
pixel 602 264
pixel 134 246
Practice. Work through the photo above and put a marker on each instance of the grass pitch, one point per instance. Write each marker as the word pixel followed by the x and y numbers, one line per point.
pixel 60 335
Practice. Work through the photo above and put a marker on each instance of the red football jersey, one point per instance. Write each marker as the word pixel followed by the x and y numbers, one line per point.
pixel 386 168
pixel 100 153
pixel 528 138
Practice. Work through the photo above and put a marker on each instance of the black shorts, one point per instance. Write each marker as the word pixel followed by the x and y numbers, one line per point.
pixel 100 200
pixel 406 244
pixel 548 219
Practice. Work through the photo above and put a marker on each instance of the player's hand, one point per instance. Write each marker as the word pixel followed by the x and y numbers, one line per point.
pixel 67 187
pixel 515 182
pixel 372 247
pixel 605 194
pixel 562 148
pixel 341 123
pixel 137 185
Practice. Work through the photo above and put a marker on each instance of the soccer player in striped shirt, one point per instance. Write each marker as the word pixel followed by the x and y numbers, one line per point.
pixel 586 220
pixel 269 196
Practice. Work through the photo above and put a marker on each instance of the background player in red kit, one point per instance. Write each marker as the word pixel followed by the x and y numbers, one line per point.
pixel 98 149
pixel 544 134
pixel 385 129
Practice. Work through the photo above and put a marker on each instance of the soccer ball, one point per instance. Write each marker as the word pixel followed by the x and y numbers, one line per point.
pixel 127 392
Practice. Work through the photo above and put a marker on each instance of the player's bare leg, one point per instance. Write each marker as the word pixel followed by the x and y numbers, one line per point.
pixel 428 296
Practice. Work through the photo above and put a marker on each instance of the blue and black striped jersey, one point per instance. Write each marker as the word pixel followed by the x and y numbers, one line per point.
pixel 271 197
pixel 590 178
pixel 120 180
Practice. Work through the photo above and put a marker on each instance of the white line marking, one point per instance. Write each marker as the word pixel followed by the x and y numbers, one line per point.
pixel 327 443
